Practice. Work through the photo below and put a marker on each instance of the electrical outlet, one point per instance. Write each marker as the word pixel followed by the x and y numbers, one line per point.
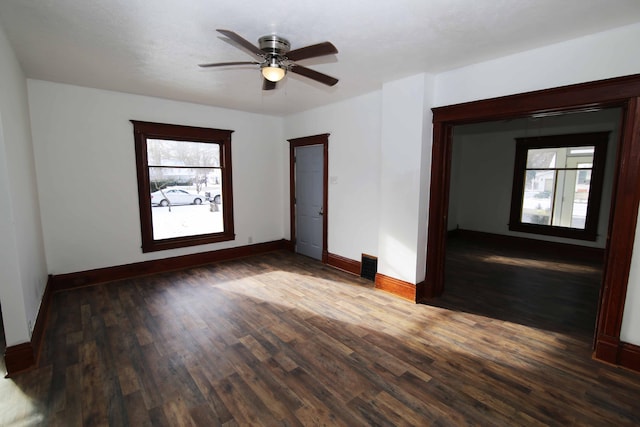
pixel 250 239
pixel 30 327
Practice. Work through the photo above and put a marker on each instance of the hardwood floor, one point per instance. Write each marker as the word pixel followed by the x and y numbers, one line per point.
pixel 280 339
pixel 557 292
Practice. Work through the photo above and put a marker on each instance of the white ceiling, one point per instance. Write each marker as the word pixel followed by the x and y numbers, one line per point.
pixel 152 47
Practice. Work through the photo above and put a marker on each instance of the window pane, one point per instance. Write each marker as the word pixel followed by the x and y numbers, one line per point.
pixel 163 152
pixel 198 178
pixel 537 202
pixel 542 158
pixel 558 184
pixel 581 198
pixel 187 210
pixel 582 151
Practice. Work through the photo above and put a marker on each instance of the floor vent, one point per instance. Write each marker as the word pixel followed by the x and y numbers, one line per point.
pixel 369 267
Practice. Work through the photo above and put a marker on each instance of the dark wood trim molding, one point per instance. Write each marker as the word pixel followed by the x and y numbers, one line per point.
pixel 24 357
pixel 395 286
pixel 438 208
pixel 623 92
pixel 618 353
pixel 344 264
pixel 582 96
pixel 606 349
pixel 543 246
pixel 63 282
pixel 630 356
pixel 37 337
pixel 599 140
pixel 389 284
pixel 421 293
pixel 322 139
pixel 624 217
pixel 19 358
pixel 221 137
pixel 288 245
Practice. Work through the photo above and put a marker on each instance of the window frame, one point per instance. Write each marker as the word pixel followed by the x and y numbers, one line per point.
pixel 599 140
pixel 149 130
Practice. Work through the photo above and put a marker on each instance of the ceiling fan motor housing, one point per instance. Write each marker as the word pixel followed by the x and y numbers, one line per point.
pixel 274 45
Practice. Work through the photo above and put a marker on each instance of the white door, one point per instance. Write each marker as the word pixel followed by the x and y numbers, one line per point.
pixel 309 166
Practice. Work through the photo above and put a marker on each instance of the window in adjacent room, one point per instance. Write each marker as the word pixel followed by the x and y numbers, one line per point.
pixel 557 184
pixel 184 185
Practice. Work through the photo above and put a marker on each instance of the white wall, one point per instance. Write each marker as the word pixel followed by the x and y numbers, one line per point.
pixel 598 56
pixel 354 170
pixel 85 158
pixel 425 177
pixel 609 54
pixel 23 271
pixel 379 169
pixel 482 170
pixel 403 180
pixel 630 331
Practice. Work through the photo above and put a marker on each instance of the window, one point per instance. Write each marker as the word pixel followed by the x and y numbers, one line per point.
pixel 557 184
pixel 184 185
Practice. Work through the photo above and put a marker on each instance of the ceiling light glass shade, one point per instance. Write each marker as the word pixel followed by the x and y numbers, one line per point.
pixel 273 74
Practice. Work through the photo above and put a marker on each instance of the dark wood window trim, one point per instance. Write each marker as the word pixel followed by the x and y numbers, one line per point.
pixel 599 141
pixel 148 130
pixel 322 139
pixel 623 92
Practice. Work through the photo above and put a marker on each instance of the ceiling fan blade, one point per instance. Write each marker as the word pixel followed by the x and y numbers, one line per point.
pixel 314 75
pixel 320 49
pixel 242 42
pixel 268 84
pixel 224 64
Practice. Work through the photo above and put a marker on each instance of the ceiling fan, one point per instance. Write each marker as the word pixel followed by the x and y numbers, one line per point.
pixel 276 58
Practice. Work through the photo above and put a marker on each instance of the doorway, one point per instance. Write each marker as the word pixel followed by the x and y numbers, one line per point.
pixel 308 195
pixel 620 92
pixel 533 277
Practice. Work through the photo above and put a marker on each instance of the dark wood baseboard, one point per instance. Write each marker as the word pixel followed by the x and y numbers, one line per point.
pixel 630 356
pixel 542 246
pixel 19 358
pixel 24 357
pixel 619 353
pixel 606 349
pixel 91 277
pixel 389 284
pixel 344 264
pixel 424 292
pixel 395 286
pixel 289 245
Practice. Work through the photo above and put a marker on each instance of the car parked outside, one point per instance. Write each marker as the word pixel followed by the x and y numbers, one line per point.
pixel 175 196
pixel 213 197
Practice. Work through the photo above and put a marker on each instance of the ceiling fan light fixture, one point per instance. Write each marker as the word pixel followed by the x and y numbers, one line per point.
pixel 273 74
pixel 273 71
pixel 276 58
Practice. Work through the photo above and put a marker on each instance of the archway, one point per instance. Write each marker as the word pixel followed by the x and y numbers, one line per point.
pixel 623 92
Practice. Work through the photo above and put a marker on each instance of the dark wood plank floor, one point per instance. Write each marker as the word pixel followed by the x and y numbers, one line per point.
pixel 280 339
pixel 553 291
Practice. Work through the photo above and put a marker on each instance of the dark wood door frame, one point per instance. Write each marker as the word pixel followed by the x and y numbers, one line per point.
pixel 322 139
pixel 623 92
